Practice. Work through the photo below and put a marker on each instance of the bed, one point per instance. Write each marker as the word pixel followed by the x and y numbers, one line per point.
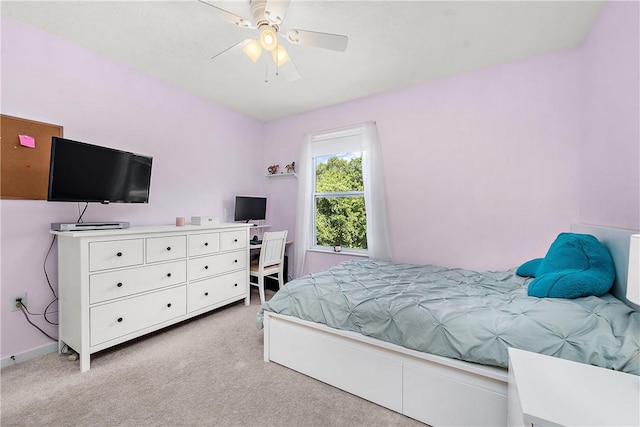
pixel 431 342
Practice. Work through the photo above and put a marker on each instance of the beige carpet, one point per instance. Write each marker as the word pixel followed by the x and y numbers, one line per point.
pixel 206 371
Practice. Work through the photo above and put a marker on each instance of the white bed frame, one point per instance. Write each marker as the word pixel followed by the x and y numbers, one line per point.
pixel 435 390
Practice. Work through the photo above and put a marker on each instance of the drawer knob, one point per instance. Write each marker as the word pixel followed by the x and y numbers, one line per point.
pixel 119 254
pixel 168 248
pixel 235 284
pixel 168 274
pixel 119 284
pixel 206 267
pixel 206 243
pixel 119 319
pixel 235 260
pixel 206 294
pixel 235 240
pixel 169 305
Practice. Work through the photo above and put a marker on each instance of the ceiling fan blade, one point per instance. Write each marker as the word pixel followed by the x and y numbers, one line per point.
pixel 230 17
pixel 238 47
pixel 275 10
pixel 324 40
pixel 288 71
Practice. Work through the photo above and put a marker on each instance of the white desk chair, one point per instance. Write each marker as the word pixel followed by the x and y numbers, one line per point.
pixel 271 260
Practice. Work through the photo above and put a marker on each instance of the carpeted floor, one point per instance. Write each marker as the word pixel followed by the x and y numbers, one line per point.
pixel 206 371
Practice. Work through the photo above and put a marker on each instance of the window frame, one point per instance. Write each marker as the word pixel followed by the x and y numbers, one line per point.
pixel 332 137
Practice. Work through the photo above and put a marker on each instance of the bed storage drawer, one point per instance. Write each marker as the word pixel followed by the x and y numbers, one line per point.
pixel 472 403
pixel 433 389
pixel 334 360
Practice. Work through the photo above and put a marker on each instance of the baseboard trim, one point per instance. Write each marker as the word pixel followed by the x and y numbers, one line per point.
pixel 28 355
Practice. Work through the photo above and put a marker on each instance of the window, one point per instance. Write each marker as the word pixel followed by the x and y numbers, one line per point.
pixel 339 219
pixel 341 197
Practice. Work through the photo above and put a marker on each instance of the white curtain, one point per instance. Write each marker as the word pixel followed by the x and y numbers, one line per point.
pixel 303 210
pixel 378 245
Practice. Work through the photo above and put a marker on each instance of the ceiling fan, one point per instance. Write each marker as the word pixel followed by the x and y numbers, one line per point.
pixel 267 17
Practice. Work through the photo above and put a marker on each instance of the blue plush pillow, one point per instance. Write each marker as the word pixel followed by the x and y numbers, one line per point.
pixel 529 268
pixel 576 265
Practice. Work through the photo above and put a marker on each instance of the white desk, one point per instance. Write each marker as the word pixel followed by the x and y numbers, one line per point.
pixel 260 229
pixel 549 391
pixel 257 230
pixel 259 245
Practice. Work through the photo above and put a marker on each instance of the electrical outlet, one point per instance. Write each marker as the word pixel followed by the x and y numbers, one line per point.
pixel 14 301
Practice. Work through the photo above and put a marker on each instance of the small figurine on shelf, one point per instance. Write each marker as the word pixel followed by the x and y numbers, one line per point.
pixel 273 169
pixel 291 168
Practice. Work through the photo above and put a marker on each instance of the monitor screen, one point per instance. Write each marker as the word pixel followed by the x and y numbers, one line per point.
pixel 81 172
pixel 250 208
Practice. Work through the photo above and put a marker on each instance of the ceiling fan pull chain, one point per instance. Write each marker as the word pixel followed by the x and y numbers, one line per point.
pixel 266 72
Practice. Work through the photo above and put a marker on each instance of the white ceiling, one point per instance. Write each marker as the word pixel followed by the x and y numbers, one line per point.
pixel 392 44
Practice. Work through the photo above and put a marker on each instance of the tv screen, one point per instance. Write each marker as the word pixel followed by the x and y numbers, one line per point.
pixel 250 208
pixel 81 172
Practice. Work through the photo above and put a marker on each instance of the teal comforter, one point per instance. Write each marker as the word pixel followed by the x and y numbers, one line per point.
pixel 462 314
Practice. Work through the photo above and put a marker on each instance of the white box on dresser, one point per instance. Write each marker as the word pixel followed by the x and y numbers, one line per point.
pixel 116 285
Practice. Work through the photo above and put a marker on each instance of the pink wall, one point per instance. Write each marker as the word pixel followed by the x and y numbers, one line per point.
pixel 481 169
pixel 610 142
pixel 203 154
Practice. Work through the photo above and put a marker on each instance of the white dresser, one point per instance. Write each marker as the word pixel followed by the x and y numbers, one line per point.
pixel 116 285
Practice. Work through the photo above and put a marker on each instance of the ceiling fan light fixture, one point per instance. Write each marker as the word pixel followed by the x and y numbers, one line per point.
pixel 280 56
pixel 252 49
pixel 268 37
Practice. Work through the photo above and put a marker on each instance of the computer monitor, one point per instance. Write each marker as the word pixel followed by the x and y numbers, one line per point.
pixel 250 208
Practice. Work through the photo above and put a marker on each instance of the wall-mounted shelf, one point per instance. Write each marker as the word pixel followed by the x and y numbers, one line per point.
pixel 282 175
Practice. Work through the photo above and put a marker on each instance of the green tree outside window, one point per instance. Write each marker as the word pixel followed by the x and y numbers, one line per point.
pixel 340 217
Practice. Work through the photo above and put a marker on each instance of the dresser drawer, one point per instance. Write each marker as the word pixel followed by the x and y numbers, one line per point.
pixel 232 240
pixel 166 248
pixel 116 253
pixel 216 289
pixel 122 283
pixel 110 321
pixel 204 244
pixel 200 268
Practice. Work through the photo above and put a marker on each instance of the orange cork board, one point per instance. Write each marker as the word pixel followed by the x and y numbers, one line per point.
pixel 25 150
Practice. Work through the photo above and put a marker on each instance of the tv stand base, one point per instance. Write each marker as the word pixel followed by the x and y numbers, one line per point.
pixel 80 226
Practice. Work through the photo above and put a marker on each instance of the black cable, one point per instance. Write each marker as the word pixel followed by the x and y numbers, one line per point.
pixel 48 312
pixel 34 314
pixel 42 314
pixel 33 324
pixel 44 266
pixel 46 275
pixel 83 211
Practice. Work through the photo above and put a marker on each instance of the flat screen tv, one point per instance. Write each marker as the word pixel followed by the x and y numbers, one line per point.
pixel 250 208
pixel 81 172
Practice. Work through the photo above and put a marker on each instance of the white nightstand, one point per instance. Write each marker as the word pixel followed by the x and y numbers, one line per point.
pixel 549 391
